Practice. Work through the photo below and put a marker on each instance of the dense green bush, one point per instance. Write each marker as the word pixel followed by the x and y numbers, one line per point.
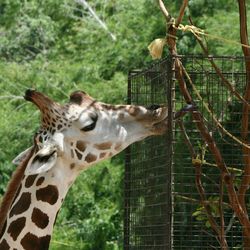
pixel 56 47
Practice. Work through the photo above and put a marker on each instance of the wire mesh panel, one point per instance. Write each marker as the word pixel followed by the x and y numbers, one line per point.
pixel 163 208
pixel 191 227
pixel 148 165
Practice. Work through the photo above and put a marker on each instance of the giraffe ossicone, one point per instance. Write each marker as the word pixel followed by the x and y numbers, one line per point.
pixel 71 138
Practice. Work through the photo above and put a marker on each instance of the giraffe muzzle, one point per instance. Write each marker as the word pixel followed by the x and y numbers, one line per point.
pixel 160 125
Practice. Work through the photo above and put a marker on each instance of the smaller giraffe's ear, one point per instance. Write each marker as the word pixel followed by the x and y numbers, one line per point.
pixel 42 161
pixel 22 156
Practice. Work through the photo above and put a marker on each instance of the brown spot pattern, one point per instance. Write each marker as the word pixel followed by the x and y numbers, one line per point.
pixel 79 155
pixel 90 158
pixel 48 194
pixel 72 153
pixel 107 107
pixel 40 219
pixel 113 107
pixel 4 245
pixel 40 181
pixel 80 145
pixel 16 227
pixel 22 204
pixel 59 126
pixel 30 180
pixel 134 111
pixel 72 165
pixel 103 146
pixel 32 242
pixel 118 146
pixel 102 155
pixel 120 107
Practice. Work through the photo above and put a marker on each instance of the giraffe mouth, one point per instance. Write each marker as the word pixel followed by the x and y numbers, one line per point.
pixel 160 126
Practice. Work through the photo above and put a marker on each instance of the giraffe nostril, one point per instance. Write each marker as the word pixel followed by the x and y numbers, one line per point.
pixel 153 107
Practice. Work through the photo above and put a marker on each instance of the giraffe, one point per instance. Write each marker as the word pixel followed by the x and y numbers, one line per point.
pixel 71 138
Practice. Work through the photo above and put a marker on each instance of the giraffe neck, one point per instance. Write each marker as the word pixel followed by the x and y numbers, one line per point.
pixel 30 220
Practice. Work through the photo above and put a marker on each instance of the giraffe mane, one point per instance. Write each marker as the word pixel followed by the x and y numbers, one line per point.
pixel 12 188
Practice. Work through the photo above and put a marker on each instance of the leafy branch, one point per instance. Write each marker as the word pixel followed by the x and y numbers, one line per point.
pixel 237 201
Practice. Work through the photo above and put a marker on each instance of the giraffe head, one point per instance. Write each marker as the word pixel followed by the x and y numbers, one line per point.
pixel 71 138
pixel 84 131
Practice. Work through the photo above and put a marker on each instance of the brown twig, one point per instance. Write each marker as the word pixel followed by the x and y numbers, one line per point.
pixel 245 114
pixel 186 138
pixel 181 14
pixel 221 211
pixel 224 80
pixel 243 27
pixel 198 174
pixel 216 121
pixel 208 139
pixel 188 98
pixel 192 200
pixel 245 117
pixel 220 231
pixel 213 223
pixel 197 117
pixel 197 164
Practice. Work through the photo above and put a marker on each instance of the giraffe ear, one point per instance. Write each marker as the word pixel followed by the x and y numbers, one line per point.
pixel 42 161
pixel 21 156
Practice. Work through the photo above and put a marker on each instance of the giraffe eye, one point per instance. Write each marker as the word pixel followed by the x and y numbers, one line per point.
pixel 92 125
pixel 89 127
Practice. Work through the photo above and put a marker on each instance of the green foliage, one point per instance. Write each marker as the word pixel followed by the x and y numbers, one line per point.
pixel 56 47
pixel 201 215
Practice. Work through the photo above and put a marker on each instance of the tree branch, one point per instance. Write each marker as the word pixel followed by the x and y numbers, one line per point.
pixel 206 206
pixel 243 27
pixel 181 13
pixel 222 234
pixel 198 119
pixel 164 10
pixel 226 177
pixel 226 83
pixel 186 138
pixel 245 116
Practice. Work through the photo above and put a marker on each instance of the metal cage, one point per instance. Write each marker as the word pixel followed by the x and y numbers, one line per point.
pixel 162 205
